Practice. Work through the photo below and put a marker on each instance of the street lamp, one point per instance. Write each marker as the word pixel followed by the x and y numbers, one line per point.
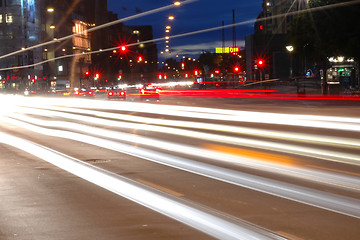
pixel 290 49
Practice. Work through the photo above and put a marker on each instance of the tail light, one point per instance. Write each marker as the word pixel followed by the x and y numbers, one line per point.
pixel 110 94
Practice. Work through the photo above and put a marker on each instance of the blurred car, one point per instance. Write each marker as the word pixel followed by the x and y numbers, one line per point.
pixel 38 92
pixel 84 92
pixel 150 91
pixel 116 93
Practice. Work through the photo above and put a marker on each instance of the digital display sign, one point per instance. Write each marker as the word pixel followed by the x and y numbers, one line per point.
pixel 227 50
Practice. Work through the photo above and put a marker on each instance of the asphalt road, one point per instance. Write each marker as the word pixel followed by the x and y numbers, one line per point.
pixel 179 168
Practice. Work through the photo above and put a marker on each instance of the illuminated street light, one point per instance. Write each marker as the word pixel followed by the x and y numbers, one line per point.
pixel 168 27
pixel 171 17
pixel 52 26
pixel 290 48
pixel 50 9
pixel 177 3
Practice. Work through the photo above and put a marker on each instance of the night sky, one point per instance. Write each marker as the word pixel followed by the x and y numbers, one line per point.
pixel 198 15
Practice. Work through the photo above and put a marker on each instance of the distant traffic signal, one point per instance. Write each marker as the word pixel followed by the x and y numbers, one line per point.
pixel 97 76
pixel 119 77
pixel 123 48
pixel 4 82
pixel 87 73
pixel 236 69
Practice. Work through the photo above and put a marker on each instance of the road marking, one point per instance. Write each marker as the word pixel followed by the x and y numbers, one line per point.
pixel 160 188
pixel 261 156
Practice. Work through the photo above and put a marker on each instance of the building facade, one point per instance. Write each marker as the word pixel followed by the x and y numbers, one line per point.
pixel 20 28
pixel 269 41
pixel 49 44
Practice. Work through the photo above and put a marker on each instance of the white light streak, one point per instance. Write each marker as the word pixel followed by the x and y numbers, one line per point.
pixel 170 206
pixel 328 201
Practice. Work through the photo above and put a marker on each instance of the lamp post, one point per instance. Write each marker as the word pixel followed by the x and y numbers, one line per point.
pixel 290 49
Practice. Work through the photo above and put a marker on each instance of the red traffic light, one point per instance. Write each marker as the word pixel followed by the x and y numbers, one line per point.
pixel 119 77
pixel 123 48
pixel 236 69
pixel 97 75
pixel 33 80
pixel 4 82
pixel 261 62
pixel 87 73
pixel 196 72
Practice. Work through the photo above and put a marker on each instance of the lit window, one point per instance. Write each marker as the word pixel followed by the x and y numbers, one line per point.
pixel 61 68
pixel 1 18
pixel 9 18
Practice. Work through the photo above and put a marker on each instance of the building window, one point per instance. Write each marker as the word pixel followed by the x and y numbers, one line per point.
pixel 1 17
pixel 8 18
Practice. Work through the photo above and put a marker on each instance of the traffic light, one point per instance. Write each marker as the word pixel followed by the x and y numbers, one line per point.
pixel 160 76
pixel 196 72
pixel 261 63
pixel 4 82
pixel 123 48
pixel 87 73
pixel 140 58
pixel 33 80
pixel 97 76
pixel 182 65
pixel 236 69
pixel 186 75
pixel 119 77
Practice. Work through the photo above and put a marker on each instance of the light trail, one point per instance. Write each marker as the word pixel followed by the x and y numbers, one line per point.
pixel 338 180
pixel 225 227
pixel 258 117
pixel 157 125
pixel 328 201
pixel 299 120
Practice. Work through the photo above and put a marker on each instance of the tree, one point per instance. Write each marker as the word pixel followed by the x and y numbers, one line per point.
pixel 210 61
pixel 326 32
